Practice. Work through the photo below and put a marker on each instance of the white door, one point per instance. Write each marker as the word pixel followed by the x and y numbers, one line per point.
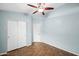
pixel 16 34
pixel 21 34
pixel 12 35
pixel 36 32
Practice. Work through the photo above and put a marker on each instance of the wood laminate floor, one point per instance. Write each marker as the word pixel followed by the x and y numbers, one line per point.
pixel 39 49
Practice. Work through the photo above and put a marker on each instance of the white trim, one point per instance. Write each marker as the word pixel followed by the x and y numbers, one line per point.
pixel 76 53
pixel 28 45
pixel 37 41
pixel 3 53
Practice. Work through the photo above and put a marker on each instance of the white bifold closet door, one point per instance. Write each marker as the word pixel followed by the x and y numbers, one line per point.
pixel 16 35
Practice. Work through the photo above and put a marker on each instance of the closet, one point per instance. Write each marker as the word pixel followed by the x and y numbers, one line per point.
pixel 16 35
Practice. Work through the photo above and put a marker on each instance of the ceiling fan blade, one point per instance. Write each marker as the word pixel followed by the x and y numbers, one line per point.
pixel 35 12
pixel 32 6
pixel 49 8
pixel 43 13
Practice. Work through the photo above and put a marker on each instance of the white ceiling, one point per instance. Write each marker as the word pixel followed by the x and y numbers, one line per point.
pixel 22 7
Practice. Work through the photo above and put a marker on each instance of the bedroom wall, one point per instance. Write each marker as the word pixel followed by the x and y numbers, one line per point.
pixel 61 28
pixel 2 34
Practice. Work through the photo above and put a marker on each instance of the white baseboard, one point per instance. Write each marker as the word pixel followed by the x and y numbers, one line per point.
pixel 37 41
pixel 76 53
pixel 29 44
pixel 3 53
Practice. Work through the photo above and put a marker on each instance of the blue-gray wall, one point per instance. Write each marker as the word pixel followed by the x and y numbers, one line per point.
pixel 61 28
pixel 2 33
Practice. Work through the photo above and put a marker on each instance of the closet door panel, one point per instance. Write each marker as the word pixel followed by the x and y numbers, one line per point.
pixel 12 35
pixel 21 34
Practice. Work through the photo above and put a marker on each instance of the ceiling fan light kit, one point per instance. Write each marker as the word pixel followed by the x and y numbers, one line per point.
pixel 40 8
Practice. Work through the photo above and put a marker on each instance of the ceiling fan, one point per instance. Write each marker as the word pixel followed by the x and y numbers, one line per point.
pixel 40 8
